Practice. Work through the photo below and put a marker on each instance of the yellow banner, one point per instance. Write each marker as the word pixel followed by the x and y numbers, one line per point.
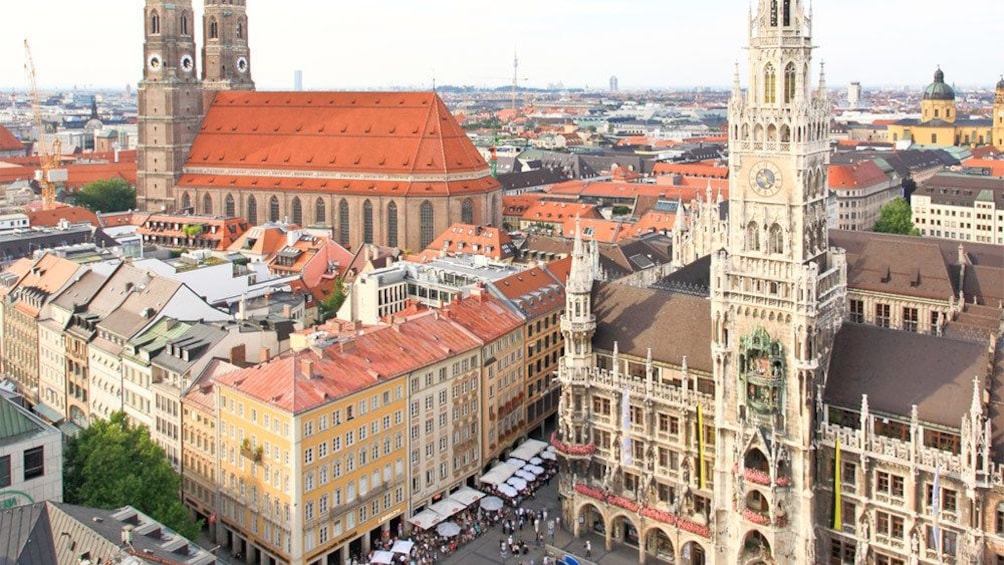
pixel 837 518
pixel 700 446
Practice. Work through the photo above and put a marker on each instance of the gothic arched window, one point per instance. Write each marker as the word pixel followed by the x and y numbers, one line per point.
pixel 319 211
pixel 789 82
pixel 787 13
pixel 273 209
pixel 467 212
pixel 214 29
pixel 752 236
pixel 229 209
pixel 207 205
pixel 343 222
pixel 240 30
pixel 773 13
pixel 186 201
pixel 785 134
pixel 154 23
pixel 775 242
pixel 426 217
pixel 769 84
pixel 252 211
pixel 184 24
pixel 367 222
pixel 392 224
pixel 297 211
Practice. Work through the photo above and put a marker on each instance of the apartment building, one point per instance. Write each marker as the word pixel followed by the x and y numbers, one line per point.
pixel 960 206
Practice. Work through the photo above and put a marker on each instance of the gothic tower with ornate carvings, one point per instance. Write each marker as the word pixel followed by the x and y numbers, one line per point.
pixel 998 127
pixel 777 295
pixel 225 53
pixel 170 101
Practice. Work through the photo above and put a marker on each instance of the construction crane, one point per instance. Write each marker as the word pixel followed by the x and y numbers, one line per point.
pixel 48 154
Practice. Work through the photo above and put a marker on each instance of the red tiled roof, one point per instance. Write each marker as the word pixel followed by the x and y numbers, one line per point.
pixel 651 222
pixel 162 228
pixel 483 315
pixel 606 231
pixel 857 175
pixel 558 212
pixel 72 214
pixel 516 205
pixel 691 169
pixel 560 268
pixel 8 142
pixel 491 242
pixel 332 133
pixel 996 166
pixel 535 291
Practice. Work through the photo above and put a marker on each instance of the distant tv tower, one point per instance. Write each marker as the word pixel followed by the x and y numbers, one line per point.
pixel 515 77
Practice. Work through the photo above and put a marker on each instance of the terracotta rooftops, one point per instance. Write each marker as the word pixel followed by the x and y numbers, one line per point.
pixel 327 141
pixel 491 242
pixel 72 214
pixel 301 381
pixel 862 174
pixel 8 142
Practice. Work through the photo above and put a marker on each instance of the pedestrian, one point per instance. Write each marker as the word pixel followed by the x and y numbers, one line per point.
pixel 589 548
pixel 557 521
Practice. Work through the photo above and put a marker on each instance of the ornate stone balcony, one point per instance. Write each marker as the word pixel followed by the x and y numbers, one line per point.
pixel 572 450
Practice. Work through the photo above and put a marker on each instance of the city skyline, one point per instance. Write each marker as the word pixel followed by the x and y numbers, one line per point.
pixel 562 41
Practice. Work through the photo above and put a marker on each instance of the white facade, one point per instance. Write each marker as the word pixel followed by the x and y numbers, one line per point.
pixel 31 458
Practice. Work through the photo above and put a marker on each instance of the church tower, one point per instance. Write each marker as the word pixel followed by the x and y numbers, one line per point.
pixel 998 125
pixel 777 295
pixel 225 52
pixel 170 101
pixel 578 324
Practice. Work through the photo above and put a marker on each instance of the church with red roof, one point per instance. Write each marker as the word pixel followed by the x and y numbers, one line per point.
pixel 389 168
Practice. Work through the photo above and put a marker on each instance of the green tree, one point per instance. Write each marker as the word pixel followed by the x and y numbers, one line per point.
pixel 112 195
pixel 113 463
pixel 330 305
pixel 896 217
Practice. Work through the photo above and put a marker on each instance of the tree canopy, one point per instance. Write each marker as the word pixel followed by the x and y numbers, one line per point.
pixel 329 307
pixel 112 464
pixel 112 195
pixel 896 217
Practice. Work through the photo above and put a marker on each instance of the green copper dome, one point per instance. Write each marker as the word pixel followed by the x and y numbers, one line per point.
pixel 938 90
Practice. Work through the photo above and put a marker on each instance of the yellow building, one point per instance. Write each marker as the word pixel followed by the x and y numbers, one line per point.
pixel 939 123
pixel 998 117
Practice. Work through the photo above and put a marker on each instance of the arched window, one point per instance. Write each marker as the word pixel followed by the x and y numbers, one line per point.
pixel 785 134
pixel 297 211
pixel 769 84
pixel 789 82
pixel 392 224
pixel 773 13
pixel 184 24
pixel 776 239
pixel 273 209
pixel 240 30
pixel 319 212
pixel 467 212
pixel 214 29
pixel 752 236
pixel 186 201
pixel 426 218
pixel 252 211
pixel 367 222
pixel 207 205
pixel 787 13
pixel 229 209
pixel 154 23
pixel 771 132
pixel 758 133
pixel 343 222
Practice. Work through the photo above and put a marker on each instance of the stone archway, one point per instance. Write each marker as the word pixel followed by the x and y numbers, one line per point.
pixel 589 518
pixel 623 530
pixel 755 550
pixel 693 553
pixel 659 545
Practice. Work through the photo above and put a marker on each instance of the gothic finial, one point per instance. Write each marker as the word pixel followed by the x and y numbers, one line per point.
pixel 977 406
pixel 736 88
pixel 822 80
pixel 678 223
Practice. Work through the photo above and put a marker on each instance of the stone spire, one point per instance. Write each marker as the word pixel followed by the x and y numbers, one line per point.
pixel 580 276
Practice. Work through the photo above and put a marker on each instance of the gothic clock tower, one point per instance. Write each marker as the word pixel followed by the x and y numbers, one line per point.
pixel 170 101
pixel 225 51
pixel 777 298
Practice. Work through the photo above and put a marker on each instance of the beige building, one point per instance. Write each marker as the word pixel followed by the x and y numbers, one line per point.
pixel 960 206
pixel 862 188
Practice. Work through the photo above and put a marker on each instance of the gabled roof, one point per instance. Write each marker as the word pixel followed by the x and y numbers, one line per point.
pixel 8 142
pixel 72 214
pixel 492 242
pixel 862 174
pixel 534 292
pixel 332 136
pixel 483 315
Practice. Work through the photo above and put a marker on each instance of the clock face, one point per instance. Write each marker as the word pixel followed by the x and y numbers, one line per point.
pixel 242 64
pixel 187 63
pixel 154 62
pixel 765 179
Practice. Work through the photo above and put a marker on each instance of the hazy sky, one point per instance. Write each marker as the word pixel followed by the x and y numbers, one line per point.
pixel 647 43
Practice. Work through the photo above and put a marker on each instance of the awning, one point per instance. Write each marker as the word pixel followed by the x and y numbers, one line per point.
pixel 447 507
pixel 50 414
pixel 402 546
pixel 528 449
pixel 467 496
pixel 383 557
pixel 499 473
pixel 426 519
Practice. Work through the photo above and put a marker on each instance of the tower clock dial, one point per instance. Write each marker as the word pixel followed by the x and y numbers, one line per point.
pixel 154 62
pixel 765 178
pixel 242 64
pixel 187 63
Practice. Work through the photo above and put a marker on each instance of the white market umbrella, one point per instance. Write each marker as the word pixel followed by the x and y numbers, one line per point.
pixel 549 455
pixel 525 475
pixel 448 529
pixel 426 519
pixel 491 503
pixel 467 496
pixel 402 546
pixel 508 491
pixel 446 507
pixel 517 483
pixel 536 461
pixel 385 557
pixel 516 462
pixel 534 469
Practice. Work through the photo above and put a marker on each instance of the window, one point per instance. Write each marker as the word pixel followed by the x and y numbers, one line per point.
pixel 273 209
pixel 775 241
pixel 230 210
pixel 392 224
pixel 857 311
pixel 154 23
pixel 319 212
pixel 343 222
pixel 252 210
pixel 770 80
pixel 367 222
pixel 842 552
pixel 5 479
pixel 214 29
pixel 789 71
pixel 888 484
pixel 34 462
pixel 426 220
pixel 910 319
pixel 186 201
pixel 240 30
pixel 207 204
pixel 889 526
pixel 467 212
pixel 882 315
pixel 752 237
pixel 184 24
pixel 297 211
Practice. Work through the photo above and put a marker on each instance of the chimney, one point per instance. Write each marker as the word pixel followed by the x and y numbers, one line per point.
pixel 348 346
pixel 238 355
pixel 264 355
pixel 242 308
pixel 307 368
pixel 287 311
